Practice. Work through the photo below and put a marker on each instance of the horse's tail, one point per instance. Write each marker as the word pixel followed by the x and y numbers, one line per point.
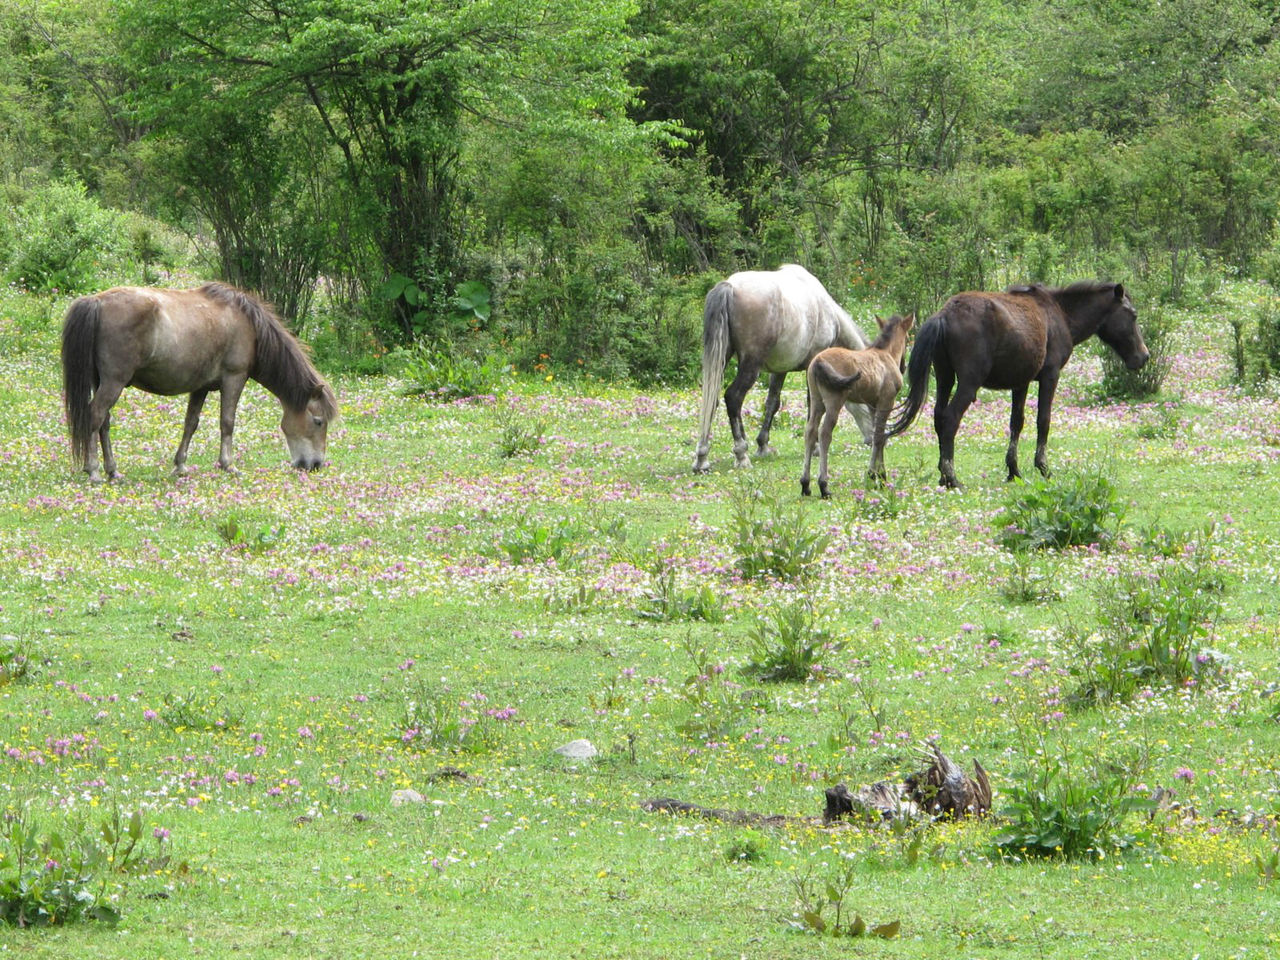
pixel 826 377
pixel 715 355
pixel 80 372
pixel 927 341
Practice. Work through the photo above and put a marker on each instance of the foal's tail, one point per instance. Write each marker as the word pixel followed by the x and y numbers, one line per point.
pixel 80 372
pixel 715 355
pixel 927 341
pixel 826 377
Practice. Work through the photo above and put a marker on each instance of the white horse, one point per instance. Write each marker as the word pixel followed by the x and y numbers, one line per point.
pixel 771 320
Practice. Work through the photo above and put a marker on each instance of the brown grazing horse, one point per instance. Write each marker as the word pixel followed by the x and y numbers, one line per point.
pixel 186 341
pixel 771 320
pixel 1003 341
pixel 837 377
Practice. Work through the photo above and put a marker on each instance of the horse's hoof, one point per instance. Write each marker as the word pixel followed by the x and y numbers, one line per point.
pixel 766 451
pixel 826 494
pixel 804 489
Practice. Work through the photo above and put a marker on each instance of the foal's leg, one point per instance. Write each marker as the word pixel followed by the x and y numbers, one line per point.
pixel 231 388
pixel 1017 411
pixel 194 405
pixel 946 421
pixel 811 436
pixel 747 373
pixel 1048 386
pixel 824 439
pixel 876 471
pixel 771 404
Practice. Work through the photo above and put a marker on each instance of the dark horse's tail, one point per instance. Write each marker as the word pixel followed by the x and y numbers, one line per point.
pixel 80 372
pixel 927 341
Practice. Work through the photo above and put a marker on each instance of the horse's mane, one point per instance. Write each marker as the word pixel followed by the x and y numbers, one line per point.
pixel 280 362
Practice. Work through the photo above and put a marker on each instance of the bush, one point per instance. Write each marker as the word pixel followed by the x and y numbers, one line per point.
pixel 1067 510
pixel 437 373
pixel 771 539
pixel 59 236
pixel 787 643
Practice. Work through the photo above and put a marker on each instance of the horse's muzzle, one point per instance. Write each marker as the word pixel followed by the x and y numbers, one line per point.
pixel 1139 361
pixel 308 464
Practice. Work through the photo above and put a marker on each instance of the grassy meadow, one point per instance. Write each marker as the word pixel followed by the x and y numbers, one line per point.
pixel 257 662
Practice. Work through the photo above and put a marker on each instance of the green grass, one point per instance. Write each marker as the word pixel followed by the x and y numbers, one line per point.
pixel 281 663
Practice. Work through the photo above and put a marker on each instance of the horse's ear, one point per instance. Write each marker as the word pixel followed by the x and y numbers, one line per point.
pixel 880 323
pixel 906 324
pixel 1119 291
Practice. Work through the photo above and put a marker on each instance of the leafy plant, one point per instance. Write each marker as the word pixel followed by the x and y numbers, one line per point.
pixel 236 532
pixel 787 643
pixel 1163 423
pixel 1268 868
pixel 773 539
pixel 667 600
pixel 877 503
pixel 442 720
pixel 517 434
pixel 817 897
pixel 1029 582
pixel 193 710
pixel 15 659
pixel 52 877
pixel 714 710
pixel 440 373
pixel 1065 802
pixel 1067 510
pixel 533 540
pixel 748 847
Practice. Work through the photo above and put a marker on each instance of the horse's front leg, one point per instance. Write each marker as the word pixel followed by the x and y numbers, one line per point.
pixel 1048 386
pixel 231 388
pixel 733 397
pixel 1017 412
pixel 194 405
pixel 771 404
pixel 810 437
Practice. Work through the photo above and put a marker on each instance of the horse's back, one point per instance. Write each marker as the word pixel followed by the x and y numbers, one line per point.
pixel 999 338
pixel 785 316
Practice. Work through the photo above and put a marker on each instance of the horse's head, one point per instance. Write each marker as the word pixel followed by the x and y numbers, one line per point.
pixel 306 429
pixel 1119 328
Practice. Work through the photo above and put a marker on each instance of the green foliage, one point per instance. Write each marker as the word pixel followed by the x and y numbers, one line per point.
pixel 1071 802
pixel 52 877
pixel 1156 629
pixel 824 906
pixel 196 710
pixel 536 540
pixel 750 846
pixel 518 434
pixel 787 643
pixel 714 709
pixel 667 600
pixel 436 373
pixel 58 238
pixel 238 532
pixel 1258 360
pixel 773 538
pixel 1070 509
pixel 440 719
pixel 15 659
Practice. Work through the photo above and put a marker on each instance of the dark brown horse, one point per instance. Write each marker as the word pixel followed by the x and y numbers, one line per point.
pixel 186 341
pixel 1003 341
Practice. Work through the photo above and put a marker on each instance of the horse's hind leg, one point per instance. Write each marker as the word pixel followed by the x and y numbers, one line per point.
pixel 811 436
pixel 876 472
pixel 1017 413
pixel 194 405
pixel 733 397
pixel 104 398
pixel 947 415
pixel 771 404
pixel 824 445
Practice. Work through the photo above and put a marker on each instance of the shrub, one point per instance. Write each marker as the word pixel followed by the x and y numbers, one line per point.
pixel 667 600
pixel 534 540
pixel 772 539
pixel 438 373
pixel 1067 510
pixel 517 434
pixel 58 231
pixel 787 643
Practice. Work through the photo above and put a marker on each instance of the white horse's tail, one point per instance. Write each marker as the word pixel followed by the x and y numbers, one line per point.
pixel 715 355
